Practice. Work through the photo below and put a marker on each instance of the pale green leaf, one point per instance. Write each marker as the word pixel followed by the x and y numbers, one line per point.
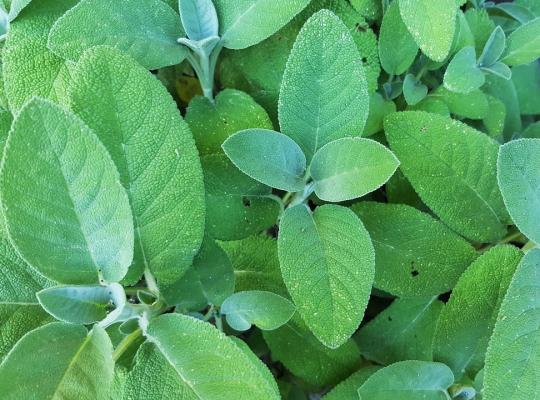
pixel 199 18
pixel 152 147
pixel 348 389
pixel 472 105
pixel 324 91
pixel 409 380
pixel 247 22
pixel 526 79
pixel 481 26
pixel 414 90
pixel 450 164
pixel 379 108
pixel 431 24
pixel 513 356
pixel 523 45
pixel 462 74
pixel 16 6
pixel 265 310
pixel 349 168
pixel 467 320
pixel 329 286
pixel 268 157
pixel 494 121
pixel 505 91
pixel 86 233
pixel 145 29
pixel 59 361
pixel 493 49
pixel 518 171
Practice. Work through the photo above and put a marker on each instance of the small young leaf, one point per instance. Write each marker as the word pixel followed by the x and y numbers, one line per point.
pixel 324 91
pixel 59 359
pixel 269 157
pixel 265 310
pixel 462 74
pixel 512 358
pixel 199 18
pixel 499 69
pixel 243 24
pixel 431 24
pixel 86 234
pixel 518 172
pixel 493 49
pixel 349 168
pixel 414 91
pixel 329 287
pixel 145 29
pixel 446 179
pixel 408 380
pixel 523 45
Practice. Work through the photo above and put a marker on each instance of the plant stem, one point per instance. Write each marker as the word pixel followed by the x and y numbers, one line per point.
pixel 511 237
pixel 151 282
pixel 126 343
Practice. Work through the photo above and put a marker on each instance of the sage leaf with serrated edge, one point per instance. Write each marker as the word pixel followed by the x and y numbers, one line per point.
pixel 523 45
pixel 518 172
pixel 152 147
pixel 512 357
pixel 349 168
pixel 324 94
pixel 462 74
pixel 59 360
pixel 445 180
pixel 270 157
pixel 146 29
pixel 329 286
pixel 91 234
pixel 265 310
pixel 199 19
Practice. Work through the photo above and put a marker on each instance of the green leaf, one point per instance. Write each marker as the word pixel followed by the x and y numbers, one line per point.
pixel 494 121
pixel 473 105
pixel 265 310
pixel 303 355
pixel 15 8
pixel 79 304
pixel 505 91
pixel 141 127
pixel 199 18
pixel 349 168
pixel 462 74
pixel 324 91
pixel 512 357
pixel 379 108
pixel 403 331
pixel 481 26
pixel 518 172
pixel 397 48
pixel 86 234
pixel 413 90
pixel 450 164
pixel 526 79
pixel 29 67
pixel 243 24
pixel 523 45
pixel 408 380
pixel 57 361
pixel 329 286
pixel 183 342
pixel 493 49
pixel 20 311
pixel 236 205
pixel 467 320
pixel 431 24
pixel 268 157
pixel 233 111
pixel 145 29
pixel 348 389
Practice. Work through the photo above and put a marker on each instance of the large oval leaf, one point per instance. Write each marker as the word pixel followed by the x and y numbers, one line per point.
pixel 85 233
pixel 59 361
pixel 152 147
pixel 324 90
pixel 523 45
pixel 327 262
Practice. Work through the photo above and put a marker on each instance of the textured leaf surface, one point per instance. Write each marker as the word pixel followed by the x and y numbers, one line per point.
pixel 431 24
pixel 26 49
pixel 268 157
pixel 266 310
pixel 327 262
pixel 324 91
pixel 403 331
pixel 415 255
pixel 348 389
pixel 518 171
pixel 408 380
pixel 450 164
pixel 468 318
pixel 349 168
pixel 86 234
pixel 15 8
pixel 59 361
pixel 523 45
pixel 473 105
pixel 247 22
pixel 414 90
pixel 513 355
pixel 152 147
pixel 146 29
pixel 185 342
pixel 526 79
pixel 199 18
pixel 462 74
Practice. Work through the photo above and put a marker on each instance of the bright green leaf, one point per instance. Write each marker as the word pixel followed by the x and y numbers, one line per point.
pixel 462 74
pixel 523 45
pixel 505 91
pixel 472 105
pixel 348 389
pixel 526 79
pixel 379 108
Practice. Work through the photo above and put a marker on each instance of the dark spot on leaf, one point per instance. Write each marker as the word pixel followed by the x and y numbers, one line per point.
pixel 364 60
pixel 414 273
pixel 390 319
pixel 246 202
